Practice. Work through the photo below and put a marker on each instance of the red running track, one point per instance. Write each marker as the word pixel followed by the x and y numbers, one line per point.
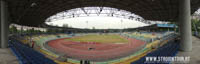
pixel 100 51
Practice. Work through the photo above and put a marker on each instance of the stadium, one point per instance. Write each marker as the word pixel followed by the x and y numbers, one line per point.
pixel 62 32
pixel 98 48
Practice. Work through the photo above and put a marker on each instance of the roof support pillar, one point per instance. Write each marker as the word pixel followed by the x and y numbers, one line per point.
pixel 4 25
pixel 84 62
pixel 185 25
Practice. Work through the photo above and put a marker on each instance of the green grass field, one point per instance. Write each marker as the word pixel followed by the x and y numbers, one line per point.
pixel 100 38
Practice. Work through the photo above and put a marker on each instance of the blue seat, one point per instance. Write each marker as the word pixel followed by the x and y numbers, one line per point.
pixel 172 50
pixel 28 55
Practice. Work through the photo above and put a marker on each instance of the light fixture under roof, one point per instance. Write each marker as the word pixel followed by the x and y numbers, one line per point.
pixel 33 4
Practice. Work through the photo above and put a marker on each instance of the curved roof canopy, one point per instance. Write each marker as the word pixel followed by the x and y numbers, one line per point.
pixel 35 12
pixel 94 12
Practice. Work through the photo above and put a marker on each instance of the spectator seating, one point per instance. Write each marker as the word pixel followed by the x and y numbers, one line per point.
pixel 27 55
pixel 171 47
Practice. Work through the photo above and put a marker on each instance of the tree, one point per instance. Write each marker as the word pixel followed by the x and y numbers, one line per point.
pixel 93 28
pixel 13 29
pixel 195 25
pixel 65 25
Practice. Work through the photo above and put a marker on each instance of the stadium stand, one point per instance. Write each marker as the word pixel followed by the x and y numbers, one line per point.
pixel 167 36
pixel 157 42
pixel 172 48
pixel 27 55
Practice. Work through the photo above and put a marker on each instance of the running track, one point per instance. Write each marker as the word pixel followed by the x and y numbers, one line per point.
pixel 100 51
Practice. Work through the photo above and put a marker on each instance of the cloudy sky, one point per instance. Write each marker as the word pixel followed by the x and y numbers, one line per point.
pixel 99 23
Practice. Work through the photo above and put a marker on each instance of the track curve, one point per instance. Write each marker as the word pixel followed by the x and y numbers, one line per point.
pixel 95 51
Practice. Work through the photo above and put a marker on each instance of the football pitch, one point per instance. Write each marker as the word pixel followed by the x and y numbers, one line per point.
pixel 108 38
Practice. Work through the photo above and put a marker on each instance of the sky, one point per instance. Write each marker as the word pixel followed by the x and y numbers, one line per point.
pixel 99 23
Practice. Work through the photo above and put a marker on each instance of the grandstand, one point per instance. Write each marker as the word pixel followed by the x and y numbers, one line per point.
pixel 65 48
pixel 26 33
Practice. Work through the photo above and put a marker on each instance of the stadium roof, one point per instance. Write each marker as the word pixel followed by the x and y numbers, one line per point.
pixel 35 12
pixel 166 25
pixel 155 26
